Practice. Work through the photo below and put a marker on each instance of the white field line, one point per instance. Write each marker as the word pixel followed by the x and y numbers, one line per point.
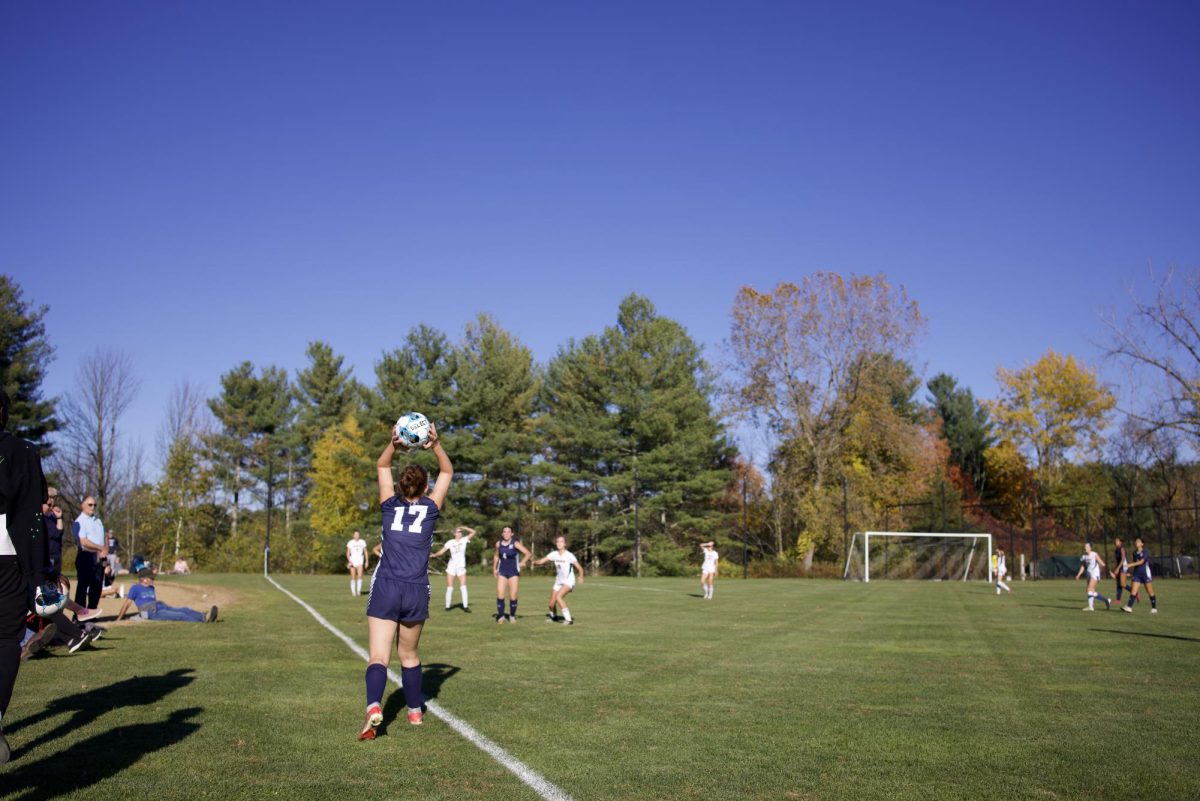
pixel 535 781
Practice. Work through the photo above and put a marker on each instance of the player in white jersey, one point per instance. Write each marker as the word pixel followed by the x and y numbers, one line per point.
pixel 457 565
pixel 1000 570
pixel 1091 563
pixel 565 568
pixel 356 561
pixel 708 571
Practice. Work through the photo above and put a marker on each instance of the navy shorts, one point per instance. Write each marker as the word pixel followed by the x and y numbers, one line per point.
pixel 401 601
pixel 509 570
pixel 1142 576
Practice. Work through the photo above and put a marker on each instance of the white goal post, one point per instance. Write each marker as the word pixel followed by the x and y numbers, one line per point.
pixel 966 556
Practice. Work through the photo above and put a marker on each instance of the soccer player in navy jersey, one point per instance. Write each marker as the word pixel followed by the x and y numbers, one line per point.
pixel 1120 569
pixel 399 597
pixel 507 562
pixel 1140 569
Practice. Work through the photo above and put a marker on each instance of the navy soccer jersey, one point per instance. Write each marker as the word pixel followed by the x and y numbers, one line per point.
pixel 1142 572
pixel 407 539
pixel 510 559
pixel 1120 558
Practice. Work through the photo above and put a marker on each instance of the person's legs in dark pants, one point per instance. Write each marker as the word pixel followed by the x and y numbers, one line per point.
pixel 14 603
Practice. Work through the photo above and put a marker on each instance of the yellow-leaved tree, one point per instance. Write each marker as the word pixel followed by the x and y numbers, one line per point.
pixel 1050 410
pixel 343 493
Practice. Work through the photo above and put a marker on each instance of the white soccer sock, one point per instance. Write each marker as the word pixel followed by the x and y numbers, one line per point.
pixel 566 614
pixel 463 589
pixel 449 596
pixel 353 590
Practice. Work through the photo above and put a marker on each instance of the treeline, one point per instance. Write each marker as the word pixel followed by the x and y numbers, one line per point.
pixel 623 441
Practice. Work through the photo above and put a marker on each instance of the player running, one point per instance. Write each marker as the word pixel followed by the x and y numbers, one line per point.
pixel 1121 560
pixel 1000 569
pixel 356 561
pixel 708 570
pixel 565 566
pixel 457 566
pixel 506 567
pixel 1091 562
pixel 1140 569
pixel 399 597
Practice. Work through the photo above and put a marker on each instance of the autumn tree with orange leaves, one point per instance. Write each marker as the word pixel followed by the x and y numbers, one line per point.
pixel 803 357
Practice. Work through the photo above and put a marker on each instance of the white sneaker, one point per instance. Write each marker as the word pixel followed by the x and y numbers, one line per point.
pixel 1153 610
pixel 1088 609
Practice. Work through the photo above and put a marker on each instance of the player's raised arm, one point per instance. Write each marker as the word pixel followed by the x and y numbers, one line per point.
pixel 470 532
pixel 383 471
pixel 445 469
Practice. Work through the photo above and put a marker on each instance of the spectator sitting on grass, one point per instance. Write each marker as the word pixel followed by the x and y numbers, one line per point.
pixel 181 566
pixel 148 606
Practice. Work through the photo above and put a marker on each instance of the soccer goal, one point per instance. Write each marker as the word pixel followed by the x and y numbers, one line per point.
pixel 906 555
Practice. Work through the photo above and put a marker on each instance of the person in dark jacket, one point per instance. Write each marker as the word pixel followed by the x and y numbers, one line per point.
pixel 24 551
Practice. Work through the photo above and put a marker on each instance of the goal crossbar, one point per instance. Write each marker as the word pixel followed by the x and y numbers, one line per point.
pixel 975 538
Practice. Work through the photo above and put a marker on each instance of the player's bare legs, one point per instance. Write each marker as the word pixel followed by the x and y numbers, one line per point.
pixel 380 635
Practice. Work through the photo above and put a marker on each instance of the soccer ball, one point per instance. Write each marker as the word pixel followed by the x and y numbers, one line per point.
pixel 412 429
pixel 49 600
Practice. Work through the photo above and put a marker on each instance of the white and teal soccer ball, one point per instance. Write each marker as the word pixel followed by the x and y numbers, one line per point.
pixel 412 429
pixel 49 600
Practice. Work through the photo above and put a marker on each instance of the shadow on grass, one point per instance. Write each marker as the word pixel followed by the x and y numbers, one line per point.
pixel 88 706
pixel 1149 634
pixel 98 757
pixel 433 676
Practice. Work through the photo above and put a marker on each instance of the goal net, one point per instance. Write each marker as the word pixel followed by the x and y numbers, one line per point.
pixel 905 555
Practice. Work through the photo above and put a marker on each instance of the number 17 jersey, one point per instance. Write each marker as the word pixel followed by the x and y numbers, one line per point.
pixel 407 539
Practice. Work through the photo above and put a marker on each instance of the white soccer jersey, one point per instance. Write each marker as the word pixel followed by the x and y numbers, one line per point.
pixel 1001 568
pixel 710 562
pixel 562 564
pixel 458 553
pixel 1093 567
pixel 358 550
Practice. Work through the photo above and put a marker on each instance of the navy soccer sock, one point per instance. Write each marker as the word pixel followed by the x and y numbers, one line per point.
pixel 499 607
pixel 1119 588
pixel 411 676
pixel 1153 601
pixel 376 681
pixel 512 608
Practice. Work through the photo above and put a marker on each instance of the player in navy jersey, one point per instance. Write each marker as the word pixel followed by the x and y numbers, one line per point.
pixel 1139 568
pixel 1120 570
pixel 507 562
pixel 399 597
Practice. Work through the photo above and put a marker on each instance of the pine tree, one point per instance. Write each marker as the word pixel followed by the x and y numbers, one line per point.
pixel 636 450
pixel 490 433
pixel 24 355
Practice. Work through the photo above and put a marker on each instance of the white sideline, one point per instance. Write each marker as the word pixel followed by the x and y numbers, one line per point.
pixel 539 784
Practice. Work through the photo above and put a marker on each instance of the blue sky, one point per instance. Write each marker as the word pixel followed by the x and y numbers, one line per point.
pixel 202 183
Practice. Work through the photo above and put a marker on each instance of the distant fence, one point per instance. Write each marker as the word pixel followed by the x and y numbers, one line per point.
pixel 1052 542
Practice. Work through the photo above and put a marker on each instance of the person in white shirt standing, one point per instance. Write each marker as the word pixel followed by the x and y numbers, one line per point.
pixel 565 568
pixel 1000 570
pixel 356 560
pixel 89 559
pixel 457 566
pixel 1091 562
pixel 708 570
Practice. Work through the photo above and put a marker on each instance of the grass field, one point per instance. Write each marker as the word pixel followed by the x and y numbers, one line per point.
pixel 777 689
